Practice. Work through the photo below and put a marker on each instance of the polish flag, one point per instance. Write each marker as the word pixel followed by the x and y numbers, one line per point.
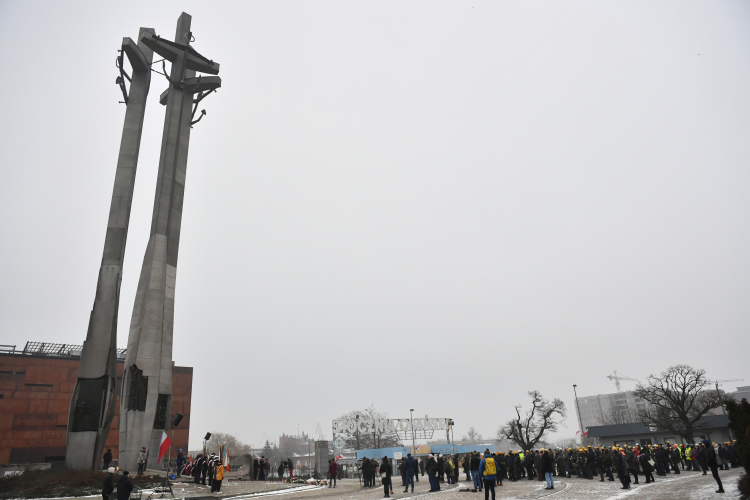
pixel 164 446
pixel 226 461
pixel 578 433
pixel 586 433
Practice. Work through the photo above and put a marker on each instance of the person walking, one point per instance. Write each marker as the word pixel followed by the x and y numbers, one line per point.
pixel 488 471
pixel 107 459
pixel 385 476
pixel 548 467
pixel 409 467
pixel 142 461
pixel 713 464
pixel 622 468
pixel 333 473
pixel 124 486
pixel 109 483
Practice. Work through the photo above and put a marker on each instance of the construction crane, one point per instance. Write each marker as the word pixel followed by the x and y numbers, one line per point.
pixel 617 377
pixel 319 432
pixel 719 382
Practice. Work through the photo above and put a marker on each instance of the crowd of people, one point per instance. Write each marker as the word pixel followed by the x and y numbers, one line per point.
pixel 486 470
pixel 205 470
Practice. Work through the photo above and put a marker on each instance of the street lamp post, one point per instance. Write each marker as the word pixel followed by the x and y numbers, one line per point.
pixel 413 440
pixel 578 408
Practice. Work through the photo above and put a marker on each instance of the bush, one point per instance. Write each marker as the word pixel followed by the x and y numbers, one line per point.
pixel 739 423
pixel 62 483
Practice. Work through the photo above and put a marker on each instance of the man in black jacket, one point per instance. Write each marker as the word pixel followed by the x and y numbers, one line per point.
pixel 474 466
pixel 713 463
pixel 124 486
pixel 431 468
pixel 109 486
pixel 107 458
pixel 622 468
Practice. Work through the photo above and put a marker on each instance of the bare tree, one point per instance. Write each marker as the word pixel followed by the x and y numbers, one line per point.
pixel 619 415
pixel 472 436
pixel 677 399
pixel 234 445
pixel 527 430
pixel 374 439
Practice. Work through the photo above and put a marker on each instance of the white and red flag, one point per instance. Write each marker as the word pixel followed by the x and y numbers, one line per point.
pixel 164 446
pixel 227 466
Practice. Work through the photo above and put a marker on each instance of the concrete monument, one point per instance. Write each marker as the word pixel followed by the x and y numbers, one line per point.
pixel 146 398
pixel 93 401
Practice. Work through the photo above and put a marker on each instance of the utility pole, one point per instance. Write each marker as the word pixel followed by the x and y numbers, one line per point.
pixel 578 408
pixel 413 440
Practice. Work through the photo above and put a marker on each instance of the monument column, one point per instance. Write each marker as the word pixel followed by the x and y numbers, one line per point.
pixel 92 404
pixel 146 399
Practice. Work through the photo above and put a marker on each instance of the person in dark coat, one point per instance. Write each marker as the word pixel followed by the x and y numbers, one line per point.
pixel 124 486
pixel 701 456
pixel 538 466
pixel 646 467
pixel 510 464
pixel 528 463
pixel 632 463
pixel 109 483
pixel 674 454
pixel 385 476
pixel 197 468
pixel 622 469
pixel 256 468
pixel 366 471
pixel 431 469
pixel 333 472
pixel 180 461
pixel 547 466
pixel 409 467
pixel 713 463
pixel 107 458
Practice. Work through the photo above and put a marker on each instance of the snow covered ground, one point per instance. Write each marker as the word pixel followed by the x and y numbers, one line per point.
pixel 685 486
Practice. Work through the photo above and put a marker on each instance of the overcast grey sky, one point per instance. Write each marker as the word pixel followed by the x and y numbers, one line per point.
pixel 428 205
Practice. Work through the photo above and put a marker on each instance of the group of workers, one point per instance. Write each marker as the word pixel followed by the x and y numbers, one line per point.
pixel 487 469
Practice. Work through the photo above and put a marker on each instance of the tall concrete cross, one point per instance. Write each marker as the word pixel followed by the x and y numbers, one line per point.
pixel 93 401
pixel 146 399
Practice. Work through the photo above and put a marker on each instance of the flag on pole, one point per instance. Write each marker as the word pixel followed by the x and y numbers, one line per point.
pixel 578 433
pixel 164 446
pixel 586 433
pixel 226 461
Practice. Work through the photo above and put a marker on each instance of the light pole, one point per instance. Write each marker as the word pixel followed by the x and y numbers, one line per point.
pixel 413 441
pixel 578 408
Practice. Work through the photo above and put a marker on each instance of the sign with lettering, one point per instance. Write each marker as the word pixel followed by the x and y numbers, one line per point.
pixel 367 425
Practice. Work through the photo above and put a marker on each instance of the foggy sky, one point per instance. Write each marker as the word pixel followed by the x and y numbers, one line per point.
pixel 428 205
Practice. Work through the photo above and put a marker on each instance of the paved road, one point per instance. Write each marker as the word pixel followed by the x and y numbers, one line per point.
pixel 686 486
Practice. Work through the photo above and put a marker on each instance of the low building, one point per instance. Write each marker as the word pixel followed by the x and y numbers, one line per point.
pixel 36 386
pixel 713 427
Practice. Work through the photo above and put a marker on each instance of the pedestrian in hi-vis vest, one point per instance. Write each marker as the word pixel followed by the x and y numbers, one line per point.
pixel 488 472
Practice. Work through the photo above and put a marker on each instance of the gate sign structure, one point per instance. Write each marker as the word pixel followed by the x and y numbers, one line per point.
pixel 422 428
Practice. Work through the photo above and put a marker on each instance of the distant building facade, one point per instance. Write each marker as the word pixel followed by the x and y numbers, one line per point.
pixel 597 410
pixel 36 386
pixel 741 393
